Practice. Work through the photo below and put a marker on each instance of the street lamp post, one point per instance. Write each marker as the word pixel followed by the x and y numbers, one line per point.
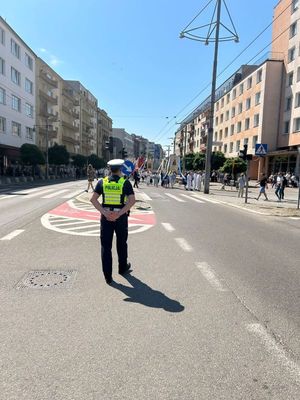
pixel 47 149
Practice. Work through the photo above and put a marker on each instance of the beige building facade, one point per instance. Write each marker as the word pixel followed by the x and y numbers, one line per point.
pixel 104 131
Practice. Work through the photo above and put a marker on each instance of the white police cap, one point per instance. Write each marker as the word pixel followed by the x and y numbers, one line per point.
pixel 115 163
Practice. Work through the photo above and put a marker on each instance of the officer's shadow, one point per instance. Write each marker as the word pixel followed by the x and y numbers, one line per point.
pixel 144 294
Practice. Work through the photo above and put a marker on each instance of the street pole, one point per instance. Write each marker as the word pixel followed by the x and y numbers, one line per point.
pixel 298 176
pixel 212 104
pixel 247 182
pixel 184 151
pixel 47 149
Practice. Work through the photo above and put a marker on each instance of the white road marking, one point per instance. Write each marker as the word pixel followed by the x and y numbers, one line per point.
pixel 206 199
pixel 49 196
pixel 210 276
pixel 275 349
pixel 144 196
pixel 168 227
pixel 32 190
pixel 68 223
pixel 157 195
pixel 294 218
pixel 40 193
pixel 175 197
pixel 12 234
pixel 9 196
pixel 192 198
pixel 72 194
pixel 75 228
pixel 184 244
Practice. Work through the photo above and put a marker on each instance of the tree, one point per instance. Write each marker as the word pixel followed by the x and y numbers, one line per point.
pixel 79 161
pixel 96 161
pixel 199 161
pixel 217 160
pixel 234 165
pixel 188 160
pixel 58 155
pixel 31 154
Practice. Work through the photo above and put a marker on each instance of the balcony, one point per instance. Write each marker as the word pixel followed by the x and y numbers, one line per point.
pixel 46 78
pixel 70 126
pixel 52 133
pixel 68 95
pixel 51 98
pixel 70 139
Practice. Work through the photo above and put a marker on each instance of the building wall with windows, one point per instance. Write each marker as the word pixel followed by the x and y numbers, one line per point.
pixel 104 131
pixel 249 114
pixel 17 94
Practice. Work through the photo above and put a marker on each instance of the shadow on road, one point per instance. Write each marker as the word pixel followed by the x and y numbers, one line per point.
pixel 145 295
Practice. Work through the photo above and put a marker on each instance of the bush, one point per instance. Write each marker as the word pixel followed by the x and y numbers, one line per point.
pixel 234 165
pixel 58 155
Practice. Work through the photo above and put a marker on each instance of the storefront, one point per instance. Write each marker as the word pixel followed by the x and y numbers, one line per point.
pixel 9 159
pixel 286 161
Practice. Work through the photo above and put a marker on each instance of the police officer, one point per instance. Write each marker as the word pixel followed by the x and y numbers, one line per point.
pixel 117 199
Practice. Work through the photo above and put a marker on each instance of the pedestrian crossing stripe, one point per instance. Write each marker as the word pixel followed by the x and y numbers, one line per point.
pixel 261 150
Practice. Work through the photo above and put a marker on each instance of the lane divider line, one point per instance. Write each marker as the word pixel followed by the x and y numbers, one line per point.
pixel 13 234
pixel 184 244
pixel 168 227
pixel 210 276
pixel 175 197
pixel 275 349
pixel 192 198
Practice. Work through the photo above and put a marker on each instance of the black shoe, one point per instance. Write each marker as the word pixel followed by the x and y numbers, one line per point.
pixel 109 281
pixel 125 270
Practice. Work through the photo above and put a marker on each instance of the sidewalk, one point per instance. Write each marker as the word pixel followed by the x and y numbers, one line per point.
pixel 20 181
pixel 228 196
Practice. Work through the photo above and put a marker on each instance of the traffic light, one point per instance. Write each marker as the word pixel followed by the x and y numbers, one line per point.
pixel 124 153
pixel 243 153
pixel 109 145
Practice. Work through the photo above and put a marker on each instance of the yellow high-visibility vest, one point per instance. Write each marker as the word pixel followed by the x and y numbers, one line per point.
pixel 113 192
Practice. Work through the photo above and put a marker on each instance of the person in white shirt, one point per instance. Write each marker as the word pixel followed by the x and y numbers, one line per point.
pixel 241 183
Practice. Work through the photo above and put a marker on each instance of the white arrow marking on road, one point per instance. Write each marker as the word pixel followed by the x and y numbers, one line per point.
pixel 210 276
pixel 192 198
pixel 12 234
pixel 175 198
pixel 168 227
pixel 184 244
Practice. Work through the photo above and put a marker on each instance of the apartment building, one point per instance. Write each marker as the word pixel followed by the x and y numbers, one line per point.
pixel 286 39
pixel 17 95
pixel 127 141
pixel 248 114
pixel 104 131
pixel 86 108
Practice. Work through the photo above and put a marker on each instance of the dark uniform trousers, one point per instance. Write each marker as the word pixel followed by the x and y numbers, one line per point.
pixel 120 226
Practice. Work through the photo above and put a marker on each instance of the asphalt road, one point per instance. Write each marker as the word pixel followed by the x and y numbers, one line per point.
pixel 210 310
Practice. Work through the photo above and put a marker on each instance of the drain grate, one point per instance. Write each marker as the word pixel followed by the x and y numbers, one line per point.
pixel 47 279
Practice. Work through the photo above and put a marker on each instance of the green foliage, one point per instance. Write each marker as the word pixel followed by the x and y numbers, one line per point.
pixel 96 161
pixel 217 160
pixel 58 155
pixel 199 161
pixel 234 165
pixel 79 161
pixel 188 161
pixel 31 154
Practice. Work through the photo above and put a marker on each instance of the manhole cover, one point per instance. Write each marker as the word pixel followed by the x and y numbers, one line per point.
pixel 47 279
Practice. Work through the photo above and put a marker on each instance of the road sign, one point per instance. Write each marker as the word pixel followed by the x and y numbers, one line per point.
pixel 128 167
pixel 261 149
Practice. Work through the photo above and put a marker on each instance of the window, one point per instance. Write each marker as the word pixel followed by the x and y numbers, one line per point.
pixel 291 54
pixel 2 96
pixel 293 30
pixel 257 98
pixel 28 61
pixel 15 103
pixel 217 106
pixel 239 127
pixel 297 124
pixel 298 74
pixel 256 120
pixel 259 76
pixel 14 48
pixel 227 115
pixel 2 125
pixel 254 141
pixel 286 128
pixel 246 140
pixel 29 110
pixel 295 5
pixel 289 79
pixel 233 94
pixel 221 134
pixel 29 133
pixel 231 130
pixel 230 147
pixel 240 107
pixel 28 86
pixel 228 98
pixel 216 136
pixel 288 103
pixel 249 83
pixel 247 124
pixel 2 66
pixel 225 148
pixel 222 102
pixel 237 145
pixel 248 103
pixel 15 76
pixel 297 100
pixel 233 112
pixel 2 36
pixel 222 118
pixel 226 132
pixel 241 88
pixel 16 128
pixel 216 121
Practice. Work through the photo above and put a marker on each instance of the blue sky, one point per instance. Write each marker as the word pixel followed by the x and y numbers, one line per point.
pixel 129 55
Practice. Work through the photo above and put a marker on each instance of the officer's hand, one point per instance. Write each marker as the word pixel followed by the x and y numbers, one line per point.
pixel 114 215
